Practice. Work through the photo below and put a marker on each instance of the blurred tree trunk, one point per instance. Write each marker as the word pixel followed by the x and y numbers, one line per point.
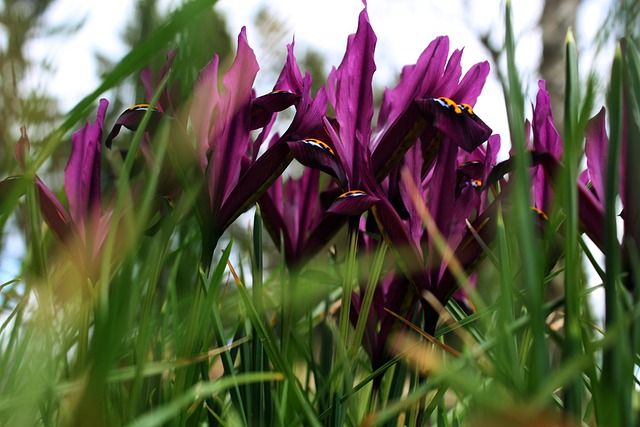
pixel 557 16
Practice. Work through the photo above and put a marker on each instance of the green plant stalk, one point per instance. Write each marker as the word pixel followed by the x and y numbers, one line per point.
pixel 613 406
pixel 632 59
pixel 374 277
pixel 572 348
pixel 525 235
pixel 299 402
pixel 172 409
pixel 218 328
pixel 348 280
pixel 506 317
pixel 147 317
pixel 260 391
pixel 341 359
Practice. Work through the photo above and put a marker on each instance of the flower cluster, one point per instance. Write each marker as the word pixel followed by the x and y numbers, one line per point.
pixel 427 151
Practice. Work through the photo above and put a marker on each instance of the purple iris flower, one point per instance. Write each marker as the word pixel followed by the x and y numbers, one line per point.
pixel 360 156
pixel 236 176
pixel 290 209
pixel 420 129
pixel 546 139
pixel 591 180
pixel 84 227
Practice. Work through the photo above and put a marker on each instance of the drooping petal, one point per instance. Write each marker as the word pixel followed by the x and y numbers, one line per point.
pixel 54 213
pixel 82 174
pixel 352 203
pixel 264 106
pixel 457 122
pixel 131 119
pixel 319 155
pixel 254 182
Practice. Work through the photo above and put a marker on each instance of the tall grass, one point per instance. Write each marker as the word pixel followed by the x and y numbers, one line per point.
pixel 158 338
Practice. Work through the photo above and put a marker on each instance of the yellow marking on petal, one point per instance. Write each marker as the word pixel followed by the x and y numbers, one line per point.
pixel 476 183
pixel 451 104
pixel 137 107
pixel 169 201
pixel 319 144
pixel 470 162
pixel 352 193
pixel 540 213
pixel 468 109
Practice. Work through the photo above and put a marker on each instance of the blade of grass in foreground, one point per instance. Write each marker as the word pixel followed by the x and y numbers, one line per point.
pixel 572 279
pixel 614 408
pixel 300 399
pixel 528 245
pixel 200 391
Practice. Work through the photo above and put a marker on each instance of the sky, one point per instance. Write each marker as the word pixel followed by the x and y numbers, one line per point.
pixel 404 28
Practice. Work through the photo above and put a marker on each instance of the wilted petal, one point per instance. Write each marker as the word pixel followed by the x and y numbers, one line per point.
pixel 82 174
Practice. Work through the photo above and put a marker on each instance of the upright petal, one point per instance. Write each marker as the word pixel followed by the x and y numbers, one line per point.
pixel 354 92
pixel 205 100
pixel 82 174
pixel 230 138
pixel 595 150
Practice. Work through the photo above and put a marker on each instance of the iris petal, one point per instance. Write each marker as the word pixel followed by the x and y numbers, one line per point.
pixel 457 122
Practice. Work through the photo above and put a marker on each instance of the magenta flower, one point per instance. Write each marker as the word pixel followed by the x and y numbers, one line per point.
pixel 359 156
pixel 84 227
pixel 223 122
pixel 546 139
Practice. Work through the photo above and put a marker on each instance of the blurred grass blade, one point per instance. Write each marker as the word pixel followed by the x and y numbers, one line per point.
pixel 572 279
pixel 614 407
pixel 172 410
pixel 529 247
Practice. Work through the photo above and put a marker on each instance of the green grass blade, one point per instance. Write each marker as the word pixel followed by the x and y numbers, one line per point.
pixel 572 280
pixel 529 247
pixel 615 406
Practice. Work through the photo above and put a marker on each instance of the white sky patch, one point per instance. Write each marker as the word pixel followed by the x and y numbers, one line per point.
pixel 75 72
